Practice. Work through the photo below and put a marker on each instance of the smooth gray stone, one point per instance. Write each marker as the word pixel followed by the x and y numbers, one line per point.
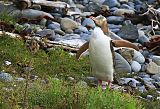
pixel 156 77
pixel 125 6
pixel 45 32
pixel 136 67
pixel 144 75
pixel 143 67
pixel 151 1
pixel 68 24
pixel 138 2
pixel 149 97
pixel 145 53
pixel 20 79
pixel 113 9
pixel 85 36
pixel 149 84
pixel 155 59
pixel 129 32
pixel 53 26
pixel 72 36
pixel 30 14
pixel 81 29
pixel 5 77
pixel 131 4
pixel 142 89
pixel 140 8
pixel 112 26
pixel 121 65
pixel 111 3
pixel 143 39
pixel 88 22
pixel 129 81
pixel 92 7
pixel 115 19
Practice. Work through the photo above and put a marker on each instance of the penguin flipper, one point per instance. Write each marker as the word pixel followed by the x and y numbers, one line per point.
pixel 82 49
pixel 124 43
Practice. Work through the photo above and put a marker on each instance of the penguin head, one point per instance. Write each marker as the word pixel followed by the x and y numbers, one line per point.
pixel 101 21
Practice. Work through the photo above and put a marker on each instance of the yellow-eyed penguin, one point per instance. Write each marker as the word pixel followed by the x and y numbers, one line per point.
pixel 100 53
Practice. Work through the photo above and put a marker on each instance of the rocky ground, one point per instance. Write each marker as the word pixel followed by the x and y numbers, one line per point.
pixel 68 24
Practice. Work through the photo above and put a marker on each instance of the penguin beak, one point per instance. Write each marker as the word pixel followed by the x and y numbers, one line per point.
pixel 82 49
pixel 124 43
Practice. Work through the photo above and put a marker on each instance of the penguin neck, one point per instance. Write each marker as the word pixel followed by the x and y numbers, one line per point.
pixel 97 32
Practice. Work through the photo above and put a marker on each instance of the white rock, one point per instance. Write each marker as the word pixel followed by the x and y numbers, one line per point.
pixel 138 57
pixel 67 23
pixel 158 98
pixel 120 12
pixel 122 1
pixel 133 82
pixel 152 68
pixel 8 63
pixel 136 67
pixel 156 59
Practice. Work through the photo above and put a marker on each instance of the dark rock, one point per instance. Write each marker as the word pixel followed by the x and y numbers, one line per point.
pixel 111 3
pixel 131 4
pixel 45 33
pixel 115 19
pixel 125 6
pixel 129 32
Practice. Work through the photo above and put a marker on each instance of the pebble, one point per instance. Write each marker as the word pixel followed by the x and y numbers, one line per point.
pixel 149 97
pixel 121 12
pixel 68 24
pixel 53 26
pixel 128 81
pixel 8 63
pixel 5 77
pixel 138 57
pixel 82 84
pixel 19 79
pixel 155 59
pixel 111 3
pixel 129 32
pixel 71 78
pixel 88 22
pixel 152 68
pixel 115 19
pixel 136 67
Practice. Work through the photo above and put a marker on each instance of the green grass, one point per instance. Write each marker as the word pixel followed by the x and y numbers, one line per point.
pixel 6 17
pixel 56 94
pixel 54 63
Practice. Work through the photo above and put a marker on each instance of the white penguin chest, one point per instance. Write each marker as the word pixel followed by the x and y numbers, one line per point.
pixel 101 57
